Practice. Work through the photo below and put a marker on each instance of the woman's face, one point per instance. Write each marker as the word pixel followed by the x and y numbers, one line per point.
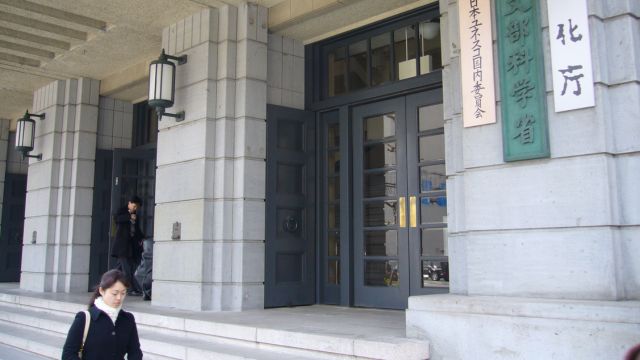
pixel 114 296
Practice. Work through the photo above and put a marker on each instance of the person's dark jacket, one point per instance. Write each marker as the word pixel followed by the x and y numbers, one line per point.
pixel 104 340
pixel 124 245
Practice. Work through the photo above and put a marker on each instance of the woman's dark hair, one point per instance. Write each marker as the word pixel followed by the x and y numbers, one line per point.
pixel 108 280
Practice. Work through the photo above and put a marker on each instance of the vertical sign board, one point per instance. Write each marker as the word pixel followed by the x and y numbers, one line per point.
pixel 476 63
pixel 570 55
pixel 522 86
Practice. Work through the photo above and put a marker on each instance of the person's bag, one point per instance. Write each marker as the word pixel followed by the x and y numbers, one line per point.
pixel 87 323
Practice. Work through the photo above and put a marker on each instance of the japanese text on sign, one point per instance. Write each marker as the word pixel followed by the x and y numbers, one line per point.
pixel 476 62
pixel 523 103
pixel 570 55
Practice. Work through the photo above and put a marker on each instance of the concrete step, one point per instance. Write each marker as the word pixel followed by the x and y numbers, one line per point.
pixel 11 353
pixel 20 328
pixel 205 335
pixel 162 343
pixel 31 340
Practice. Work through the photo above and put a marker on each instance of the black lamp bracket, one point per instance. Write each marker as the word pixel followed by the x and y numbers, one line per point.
pixel 29 115
pixel 179 59
pixel 161 112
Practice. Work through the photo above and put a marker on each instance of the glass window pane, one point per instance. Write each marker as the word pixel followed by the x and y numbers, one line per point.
pixel 358 66
pixel 333 162
pixel 337 71
pixel 333 271
pixel 333 188
pixel 334 243
pixel 380 59
pixel 381 155
pixel 380 213
pixel 434 242
pixel 432 178
pixel 433 209
pixel 381 243
pixel 430 117
pixel 431 148
pixel 334 216
pixel 435 273
pixel 380 184
pixel 379 127
pixel 381 273
pixel 430 48
pixel 333 135
pixel 404 42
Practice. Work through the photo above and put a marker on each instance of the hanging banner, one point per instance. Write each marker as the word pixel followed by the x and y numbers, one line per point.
pixel 522 86
pixel 570 55
pixel 476 63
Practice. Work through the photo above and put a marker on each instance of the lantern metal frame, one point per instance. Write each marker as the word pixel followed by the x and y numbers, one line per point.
pixel 20 140
pixel 160 105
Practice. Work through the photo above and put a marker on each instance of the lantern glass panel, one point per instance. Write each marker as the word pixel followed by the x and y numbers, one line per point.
pixel 152 80
pixel 24 134
pixel 166 83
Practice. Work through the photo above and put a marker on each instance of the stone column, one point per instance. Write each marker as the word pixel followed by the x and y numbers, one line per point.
pixel 211 169
pixel 57 232
pixel 544 252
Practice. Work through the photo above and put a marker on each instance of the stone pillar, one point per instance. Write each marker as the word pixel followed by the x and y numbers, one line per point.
pixel 542 251
pixel 57 232
pixel 211 169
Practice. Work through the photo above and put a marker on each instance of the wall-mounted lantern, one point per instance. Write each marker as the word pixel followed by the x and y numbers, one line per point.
pixel 162 84
pixel 25 135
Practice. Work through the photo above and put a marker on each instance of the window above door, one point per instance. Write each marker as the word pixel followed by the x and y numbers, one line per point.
pixel 395 50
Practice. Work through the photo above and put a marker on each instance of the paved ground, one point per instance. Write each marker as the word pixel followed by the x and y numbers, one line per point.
pixel 10 353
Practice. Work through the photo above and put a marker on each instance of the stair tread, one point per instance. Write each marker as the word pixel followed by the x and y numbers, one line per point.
pixel 244 351
pixel 54 342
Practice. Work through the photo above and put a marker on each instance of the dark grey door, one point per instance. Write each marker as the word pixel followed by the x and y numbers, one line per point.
pixel 100 217
pixel 399 200
pixel 15 192
pixel 290 193
pixel 381 266
pixel 427 194
pixel 134 173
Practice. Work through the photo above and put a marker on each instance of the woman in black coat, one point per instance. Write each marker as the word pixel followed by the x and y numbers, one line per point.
pixel 112 331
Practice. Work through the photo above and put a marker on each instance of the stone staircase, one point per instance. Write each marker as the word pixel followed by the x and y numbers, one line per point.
pixel 38 323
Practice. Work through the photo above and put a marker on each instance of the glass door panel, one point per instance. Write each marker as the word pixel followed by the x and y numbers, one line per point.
pixel 429 262
pixel 379 188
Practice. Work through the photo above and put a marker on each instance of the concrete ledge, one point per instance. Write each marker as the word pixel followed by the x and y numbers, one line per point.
pixel 607 311
pixel 487 327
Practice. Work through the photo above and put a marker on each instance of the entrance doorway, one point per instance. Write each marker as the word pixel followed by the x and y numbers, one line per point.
pixel 399 200
pixel 15 192
pixel 383 223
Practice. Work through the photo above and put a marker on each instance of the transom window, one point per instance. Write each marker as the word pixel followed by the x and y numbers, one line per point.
pixel 402 50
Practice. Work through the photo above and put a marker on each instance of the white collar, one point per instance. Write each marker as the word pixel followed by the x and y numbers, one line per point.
pixel 110 311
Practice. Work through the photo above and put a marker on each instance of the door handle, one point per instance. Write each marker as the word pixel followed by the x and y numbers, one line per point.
pixel 402 214
pixel 412 212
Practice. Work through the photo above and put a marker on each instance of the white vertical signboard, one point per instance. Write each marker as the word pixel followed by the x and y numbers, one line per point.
pixel 570 54
pixel 476 63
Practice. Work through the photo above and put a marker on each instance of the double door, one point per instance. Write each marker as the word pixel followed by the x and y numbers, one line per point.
pixel 399 200
pixel 397 232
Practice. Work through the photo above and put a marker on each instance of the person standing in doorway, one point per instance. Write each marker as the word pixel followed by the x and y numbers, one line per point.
pixel 127 245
